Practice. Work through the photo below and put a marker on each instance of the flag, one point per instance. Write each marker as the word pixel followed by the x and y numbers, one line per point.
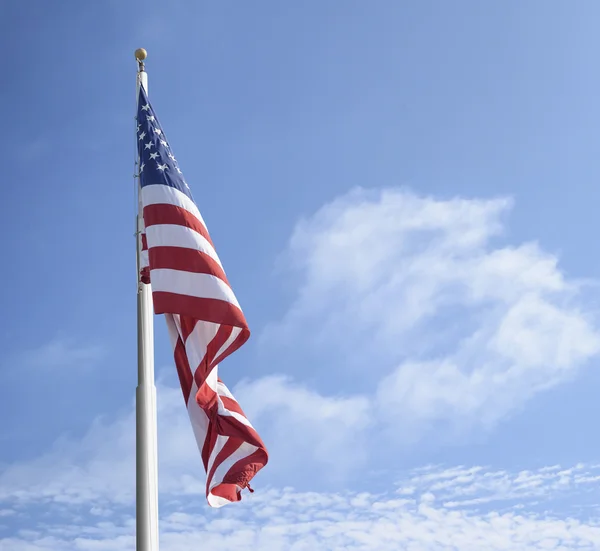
pixel 204 318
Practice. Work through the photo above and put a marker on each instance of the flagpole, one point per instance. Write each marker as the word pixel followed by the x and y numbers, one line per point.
pixel 146 464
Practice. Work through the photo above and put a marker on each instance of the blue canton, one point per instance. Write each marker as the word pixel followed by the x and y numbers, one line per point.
pixel 158 165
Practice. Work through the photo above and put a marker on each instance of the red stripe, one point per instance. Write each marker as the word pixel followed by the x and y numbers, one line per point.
pixel 183 370
pixel 217 343
pixel 205 309
pixel 172 214
pixel 230 492
pixel 144 242
pixel 206 396
pixel 186 260
pixel 187 326
pixel 230 426
pixel 231 405
pixel 244 470
pixel 230 446
pixel 241 472
pixel 209 442
pixel 238 341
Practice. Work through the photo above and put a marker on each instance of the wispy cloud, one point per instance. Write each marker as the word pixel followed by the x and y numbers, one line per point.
pixel 417 301
pixel 282 518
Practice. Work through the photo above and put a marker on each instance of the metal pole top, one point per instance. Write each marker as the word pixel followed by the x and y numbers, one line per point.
pixel 141 55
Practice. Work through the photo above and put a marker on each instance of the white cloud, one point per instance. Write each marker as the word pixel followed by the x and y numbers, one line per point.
pixel 299 423
pixel 99 468
pixel 282 518
pixel 453 325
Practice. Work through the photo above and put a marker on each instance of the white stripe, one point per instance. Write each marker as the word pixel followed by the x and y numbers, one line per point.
pixel 222 390
pixel 224 412
pixel 218 501
pixel 197 342
pixel 191 284
pixel 160 194
pixel 219 443
pixel 173 329
pixel 172 235
pixel 234 333
pixel 244 450
pixel 198 418
pixel 212 379
pixel 213 383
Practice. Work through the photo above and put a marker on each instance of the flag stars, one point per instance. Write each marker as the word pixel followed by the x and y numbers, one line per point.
pixel 171 156
pixel 148 145
pixel 142 167
pixel 160 167
pixel 145 107
pixel 163 142
pixel 142 136
pixel 157 131
pixel 153 156
pixel 150 118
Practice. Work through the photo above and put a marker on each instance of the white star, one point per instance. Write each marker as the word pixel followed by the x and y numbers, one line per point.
pixel 138 128
pixel 142 135
pixel 142 167
pixel 171 156
pixel 164 143
pixel 185 184
pixel 178 170
pixel 161 167
pixel 148 145
pixel 145 107
pixel 157 131
pixel 150 118
pixel 153 155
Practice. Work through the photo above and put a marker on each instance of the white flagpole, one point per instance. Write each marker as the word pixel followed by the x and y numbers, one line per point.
pixel 146 466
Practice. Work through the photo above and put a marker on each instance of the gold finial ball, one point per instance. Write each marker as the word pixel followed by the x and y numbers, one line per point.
pixel 141 54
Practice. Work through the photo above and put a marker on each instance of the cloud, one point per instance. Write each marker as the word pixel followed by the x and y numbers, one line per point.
pixel 283 518
pixel 302 425
pixel 99 468
pixel 417 302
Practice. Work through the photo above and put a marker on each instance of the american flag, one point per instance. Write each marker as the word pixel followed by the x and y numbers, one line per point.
pixel 204 318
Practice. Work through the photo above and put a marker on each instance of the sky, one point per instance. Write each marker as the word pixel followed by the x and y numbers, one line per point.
pixel 404 198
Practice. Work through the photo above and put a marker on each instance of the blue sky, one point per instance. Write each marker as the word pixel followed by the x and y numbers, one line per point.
pixel 404 198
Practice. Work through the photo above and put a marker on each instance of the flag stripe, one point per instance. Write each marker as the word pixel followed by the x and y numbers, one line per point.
pixel 171 235
pixel 231 348
pixel 231 453
pixel 231 405
pixel 192 284
pixel 161 214
pixel 189 260
pixel 216 311
pixel 166 195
